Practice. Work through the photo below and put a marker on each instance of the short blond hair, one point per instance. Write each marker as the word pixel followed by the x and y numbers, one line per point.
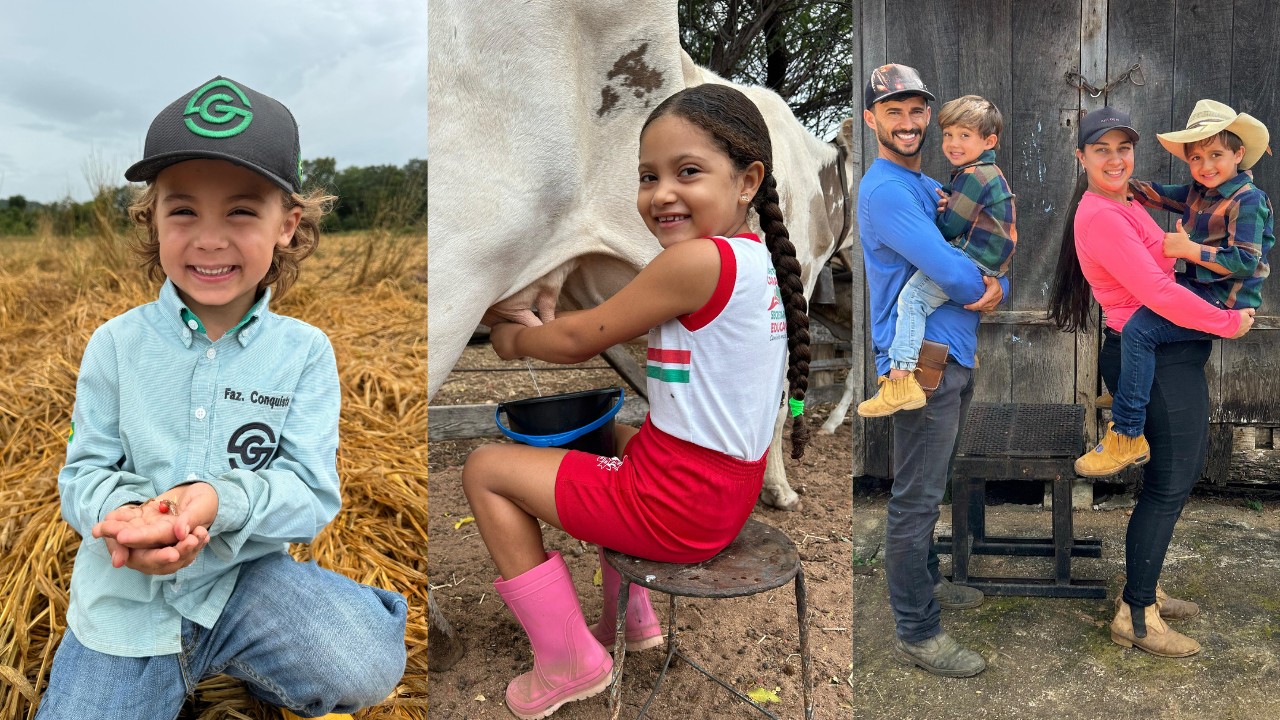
pixel 974 112
pixel 283 272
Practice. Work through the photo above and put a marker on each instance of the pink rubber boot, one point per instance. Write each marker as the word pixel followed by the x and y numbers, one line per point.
pixel 643 628
pixel 568 663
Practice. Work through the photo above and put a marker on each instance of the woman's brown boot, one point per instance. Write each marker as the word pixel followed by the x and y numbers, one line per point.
pixel 1170 608
pixel 1175 609
pixel 1151 634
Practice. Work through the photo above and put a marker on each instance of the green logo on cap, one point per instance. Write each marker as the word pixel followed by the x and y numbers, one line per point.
pixel 218 108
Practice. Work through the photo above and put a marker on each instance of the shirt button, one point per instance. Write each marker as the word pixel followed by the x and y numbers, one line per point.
pixel 200 413
pixel 186 334
pixel 193 324
pixel 210 353
pixel 192 477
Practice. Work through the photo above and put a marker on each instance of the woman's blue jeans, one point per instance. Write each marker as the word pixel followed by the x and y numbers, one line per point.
pixel 1177 427
pixel 301 637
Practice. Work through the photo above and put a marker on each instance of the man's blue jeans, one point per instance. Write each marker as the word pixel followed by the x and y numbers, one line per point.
pixel 302 638
pixel 924 442
pixel 1144 332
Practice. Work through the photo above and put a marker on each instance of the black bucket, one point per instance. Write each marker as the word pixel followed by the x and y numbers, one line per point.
pixel 574 421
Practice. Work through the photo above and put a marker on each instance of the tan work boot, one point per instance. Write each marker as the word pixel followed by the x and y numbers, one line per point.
pixel 1160 639
pixel 331 716
pixel 939 655
pixel 893 395
pixel 1104 401
pixel 1115 453
pixel 1170 608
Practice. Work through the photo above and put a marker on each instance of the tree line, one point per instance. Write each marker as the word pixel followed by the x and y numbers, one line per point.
pixel 376 196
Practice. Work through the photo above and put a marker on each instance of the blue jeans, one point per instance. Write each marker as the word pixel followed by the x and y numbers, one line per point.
pixel 924 443
pixel 917 300
pixel 303 638
pixel 1178 429
pixel 1144 332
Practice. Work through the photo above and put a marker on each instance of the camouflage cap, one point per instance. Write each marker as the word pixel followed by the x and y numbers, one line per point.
pixel 892 80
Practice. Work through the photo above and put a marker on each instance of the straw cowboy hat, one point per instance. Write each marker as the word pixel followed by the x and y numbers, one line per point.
pixel 1210 117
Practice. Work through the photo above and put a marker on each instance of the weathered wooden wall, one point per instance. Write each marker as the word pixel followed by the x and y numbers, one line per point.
pixel 1016 53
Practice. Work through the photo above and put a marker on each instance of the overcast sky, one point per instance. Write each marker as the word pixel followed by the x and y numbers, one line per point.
pixel 80 80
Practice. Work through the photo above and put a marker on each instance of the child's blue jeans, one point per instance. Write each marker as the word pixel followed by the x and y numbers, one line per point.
pixel 1144 332
pixel 916 301
pixel 301 637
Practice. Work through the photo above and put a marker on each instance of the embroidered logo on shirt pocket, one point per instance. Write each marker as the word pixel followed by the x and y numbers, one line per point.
pixel 252 422
pixel 251 446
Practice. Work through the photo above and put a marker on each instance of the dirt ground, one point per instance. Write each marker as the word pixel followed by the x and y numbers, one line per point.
pixel 751 642
pixel 1053 658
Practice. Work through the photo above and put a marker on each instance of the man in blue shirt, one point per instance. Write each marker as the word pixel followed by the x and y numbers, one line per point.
pixel 896 207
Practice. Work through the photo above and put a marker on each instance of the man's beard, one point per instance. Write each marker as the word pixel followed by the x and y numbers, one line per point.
pixel 889 141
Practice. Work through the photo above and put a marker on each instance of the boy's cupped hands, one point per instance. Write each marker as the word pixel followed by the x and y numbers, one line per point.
pixel 163 535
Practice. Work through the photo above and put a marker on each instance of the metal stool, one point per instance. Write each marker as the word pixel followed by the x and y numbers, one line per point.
pixel 1018 441
pixel 760 558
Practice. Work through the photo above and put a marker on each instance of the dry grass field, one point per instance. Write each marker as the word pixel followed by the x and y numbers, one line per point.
pixel 367 291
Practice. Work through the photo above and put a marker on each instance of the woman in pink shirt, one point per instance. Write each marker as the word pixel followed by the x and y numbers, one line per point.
pixel 1113 251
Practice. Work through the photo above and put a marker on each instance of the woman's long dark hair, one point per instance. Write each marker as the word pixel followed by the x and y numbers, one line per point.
pixel 1071 299
pixel 735 125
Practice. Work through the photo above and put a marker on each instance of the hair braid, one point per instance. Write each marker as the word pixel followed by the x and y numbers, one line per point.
pixel 783 254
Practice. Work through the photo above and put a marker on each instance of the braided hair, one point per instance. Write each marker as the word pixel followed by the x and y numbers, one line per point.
pixel 735 125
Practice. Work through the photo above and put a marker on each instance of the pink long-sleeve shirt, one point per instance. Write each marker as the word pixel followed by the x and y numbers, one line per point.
pixel 1121 251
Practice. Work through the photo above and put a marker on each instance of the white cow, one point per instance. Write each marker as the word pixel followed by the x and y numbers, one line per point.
pixel 535 114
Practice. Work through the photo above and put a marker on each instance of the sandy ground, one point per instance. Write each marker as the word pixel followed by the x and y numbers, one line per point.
pixel 1053 658
pixel 751 642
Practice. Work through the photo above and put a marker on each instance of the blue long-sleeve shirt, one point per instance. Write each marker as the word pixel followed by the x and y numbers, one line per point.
pixel 896 209
pixel 254 414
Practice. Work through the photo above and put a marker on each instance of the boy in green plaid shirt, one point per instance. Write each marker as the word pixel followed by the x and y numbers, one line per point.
pixel 1230 226
pixel 977 216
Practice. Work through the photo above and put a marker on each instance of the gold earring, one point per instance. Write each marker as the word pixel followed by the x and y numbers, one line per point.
pixel 744 197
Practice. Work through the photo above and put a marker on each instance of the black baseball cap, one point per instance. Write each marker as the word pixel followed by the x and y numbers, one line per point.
pixel 224 120
pixel 892 80
pixel 1097 123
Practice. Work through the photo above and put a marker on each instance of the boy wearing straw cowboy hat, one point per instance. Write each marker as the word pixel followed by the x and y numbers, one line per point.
pixel 204 441
pixel 1228 233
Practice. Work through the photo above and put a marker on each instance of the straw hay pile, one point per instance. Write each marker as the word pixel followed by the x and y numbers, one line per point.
pixel 55 292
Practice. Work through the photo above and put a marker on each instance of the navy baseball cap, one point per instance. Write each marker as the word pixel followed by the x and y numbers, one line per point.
pixel 224 120
pixel 888 81
pixel 1097 123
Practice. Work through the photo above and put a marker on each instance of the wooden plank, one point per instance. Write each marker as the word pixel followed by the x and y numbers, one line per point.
pixel 628 369
pixel 1247 382
pixel 1093 65
pixel 1217 466
pixel 462 422
pixel 870 440
pixel 1250 381
pixel 927 36
pixel 1037 361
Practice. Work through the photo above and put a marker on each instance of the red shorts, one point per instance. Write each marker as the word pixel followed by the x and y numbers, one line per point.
pixel 666 500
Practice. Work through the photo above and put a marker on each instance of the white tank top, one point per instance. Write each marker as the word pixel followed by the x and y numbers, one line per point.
pixel 715 376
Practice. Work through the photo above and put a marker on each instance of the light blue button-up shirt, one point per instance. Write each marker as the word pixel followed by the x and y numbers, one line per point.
pixel 254 414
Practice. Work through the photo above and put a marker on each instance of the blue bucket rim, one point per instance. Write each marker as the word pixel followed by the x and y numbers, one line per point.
pixel 567 436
